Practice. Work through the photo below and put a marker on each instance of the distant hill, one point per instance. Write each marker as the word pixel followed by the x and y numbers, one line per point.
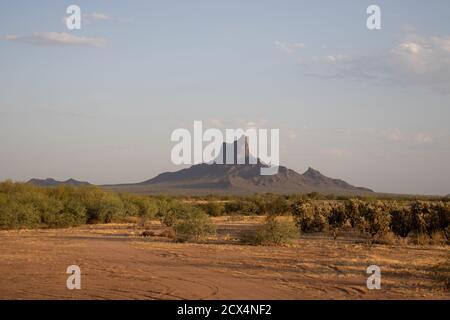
pixel 53 183
pixel 239 179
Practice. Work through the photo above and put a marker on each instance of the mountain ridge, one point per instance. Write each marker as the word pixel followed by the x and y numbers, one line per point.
pixel 50 182
pixel 236 178
pixel 246 178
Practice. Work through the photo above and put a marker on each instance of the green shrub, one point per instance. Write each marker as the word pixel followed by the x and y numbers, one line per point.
pixel 101 206
pixel 212 208
pixel 147 208
pixel 195 225
pixel 272 232
pixel 315 196
pixel 74 214
pixel 243 207
pixel 14 214
pixel 277 206
pixel 171 211
pixel 111 208
pixel 50 211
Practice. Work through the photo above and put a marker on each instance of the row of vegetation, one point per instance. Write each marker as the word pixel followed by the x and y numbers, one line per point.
pixel 375 219
pixel 28 206
pixel 312 196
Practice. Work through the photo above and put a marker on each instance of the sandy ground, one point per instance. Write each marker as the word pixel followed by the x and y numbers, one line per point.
pixel 118 264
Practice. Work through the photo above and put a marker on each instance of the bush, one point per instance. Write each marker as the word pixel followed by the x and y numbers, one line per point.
pixel 74 214
pixel 212 208
pixel 277 206
pixel 421 212
pixel 111 208
pixel 139 206
pixel 352 211
pixel 130 209
pixel 194 226
pixel 272 232
pixel 441 218
pixel 429 218
pixel 401 222
pixel 242 207
pixel 375 220
pixel 337 218
pixel 315 196
pixel 50 210
pixel 309 217
pixel 101 206
pixel 147 208
pixel 14 214
pixel 170 212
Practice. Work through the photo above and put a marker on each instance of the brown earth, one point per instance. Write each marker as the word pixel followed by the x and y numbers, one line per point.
pixel 118 264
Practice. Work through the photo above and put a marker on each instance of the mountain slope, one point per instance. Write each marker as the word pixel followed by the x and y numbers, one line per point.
pixel 232 178
pixel 246 178
pixel 53 183
pixel 239 179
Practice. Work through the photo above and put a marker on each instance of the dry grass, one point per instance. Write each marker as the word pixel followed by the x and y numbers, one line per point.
pixel 117 263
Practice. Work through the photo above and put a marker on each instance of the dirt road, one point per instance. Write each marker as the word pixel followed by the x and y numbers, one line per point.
pixel 117 264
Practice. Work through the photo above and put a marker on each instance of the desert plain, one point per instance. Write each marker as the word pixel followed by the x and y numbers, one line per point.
pixel 116 262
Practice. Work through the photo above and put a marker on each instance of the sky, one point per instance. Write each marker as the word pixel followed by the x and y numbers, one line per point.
pixel 99 104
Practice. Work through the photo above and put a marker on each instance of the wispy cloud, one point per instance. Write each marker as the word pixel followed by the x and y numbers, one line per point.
pixel 393 135
pixel 424 138
pixel 290 47
pixel 396 135
pixel 98 16
pixel 90 18
pixel 422 60
pixel 330 59
pixel 252 124
pixel 55 39
pixel 416 60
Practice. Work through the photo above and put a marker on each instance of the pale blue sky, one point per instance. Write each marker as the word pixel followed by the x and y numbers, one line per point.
pixel 99 104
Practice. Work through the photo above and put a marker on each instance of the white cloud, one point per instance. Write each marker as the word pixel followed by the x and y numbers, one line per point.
pixel 90 18
pixel 290 47
pixel 424 138
pixel 258 123
pixel 98 16
pixel 55 38
pixel 331 58
pixel 394 135
pixel 422 55
pixel 417 60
